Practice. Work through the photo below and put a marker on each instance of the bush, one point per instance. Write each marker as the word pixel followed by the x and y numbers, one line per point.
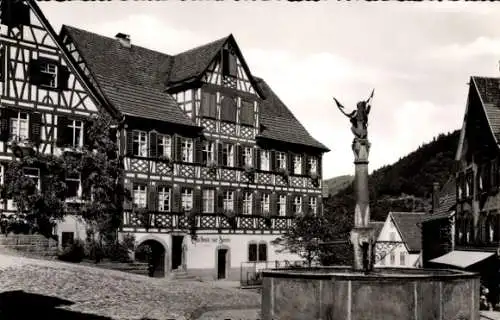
pixel 75 252
pixel 94 250
pixel 129 241
pixel 143 253
pixel 118 252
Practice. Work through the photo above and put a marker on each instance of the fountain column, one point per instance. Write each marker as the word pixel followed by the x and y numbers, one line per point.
pixel 362 236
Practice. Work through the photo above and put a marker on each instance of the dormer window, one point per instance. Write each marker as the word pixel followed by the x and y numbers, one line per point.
pixel 228 64
pixel 140 144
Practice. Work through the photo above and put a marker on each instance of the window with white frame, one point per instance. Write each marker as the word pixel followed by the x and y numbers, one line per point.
pixel 247 203
pixel 313 205
pixel 228 201
pixel 281 160
pixel 264 160
pixel 187 199
pixel 164 146
pixel 73 187
pixel 247 156
pixel 228 155
pixel 139 195
pixel 393 258
pixel 34 175
pixel 164 198
pixel 187 150
pixel 19 126
pixel 140 143
pixel 76 129
pixel 49 74
pixel 382 261
pixel 282 205
pixel 297 204
pixel 402 258
pixel 208 152
pixel 265 203
pixel 208 200
pixel 297 164
pixel 313 165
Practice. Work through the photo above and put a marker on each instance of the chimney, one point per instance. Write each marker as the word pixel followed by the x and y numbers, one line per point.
pixel 124 39
pixel 435 196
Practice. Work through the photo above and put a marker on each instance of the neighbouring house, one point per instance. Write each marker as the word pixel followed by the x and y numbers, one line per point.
pixel 477 199
pixel 206 145
pixel 399 242
pixel 438 228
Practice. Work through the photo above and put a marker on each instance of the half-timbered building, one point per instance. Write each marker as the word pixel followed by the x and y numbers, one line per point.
pixel 45 99
pixel 208 148
pixel 477 198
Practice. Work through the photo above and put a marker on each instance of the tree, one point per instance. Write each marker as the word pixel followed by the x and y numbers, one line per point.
pixel 302 238
pixel 103 184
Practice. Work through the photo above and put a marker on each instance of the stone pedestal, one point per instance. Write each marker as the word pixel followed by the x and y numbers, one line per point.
pixel 363 242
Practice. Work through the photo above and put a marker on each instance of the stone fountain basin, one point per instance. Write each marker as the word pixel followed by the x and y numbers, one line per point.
pixel 339 293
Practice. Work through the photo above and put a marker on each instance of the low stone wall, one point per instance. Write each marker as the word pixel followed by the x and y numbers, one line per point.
pixel 36 244
pixel 386 295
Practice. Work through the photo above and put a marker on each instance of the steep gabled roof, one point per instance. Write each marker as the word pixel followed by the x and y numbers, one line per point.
pixel 280 124
pixel 488 90
pixel 133 80
pixel 70 61
pixel 128 77
pixel 192 63
pixel 407 225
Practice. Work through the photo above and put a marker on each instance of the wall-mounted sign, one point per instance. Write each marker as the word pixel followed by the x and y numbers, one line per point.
pixel 212 239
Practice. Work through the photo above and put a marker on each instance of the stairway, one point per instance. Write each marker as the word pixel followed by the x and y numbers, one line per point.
pixel 180 274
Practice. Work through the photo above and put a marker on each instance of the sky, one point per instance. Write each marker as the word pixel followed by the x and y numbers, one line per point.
pixel 418 57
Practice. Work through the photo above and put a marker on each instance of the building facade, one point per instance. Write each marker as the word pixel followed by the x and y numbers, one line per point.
pixel 208 148
pixel 399 242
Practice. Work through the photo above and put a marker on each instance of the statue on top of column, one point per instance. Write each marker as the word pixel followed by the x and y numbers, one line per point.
pixel 358 117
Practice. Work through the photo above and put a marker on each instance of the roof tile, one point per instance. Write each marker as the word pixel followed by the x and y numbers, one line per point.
pixel 407 224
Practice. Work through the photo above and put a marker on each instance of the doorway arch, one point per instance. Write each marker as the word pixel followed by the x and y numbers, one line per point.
pixel 157 259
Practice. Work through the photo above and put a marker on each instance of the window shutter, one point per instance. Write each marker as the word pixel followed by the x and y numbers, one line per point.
pixel 153 144
pixel 305 205
pixel 63 134
pixel 197 201
pixel 178 148
pixel 289 164
pixel 256 158
pixel 256 210
pixel 63 77
pixel 272 160
pixel 238 202
pixel 4 124
pixel 289 207
pixel 198 147
pixel 219 201
pixel 233 70
pixel 319 204
pixel 2 65
pixel 239 156
pixel 176 199
pixel 130 143
pixel 305 164
pixel 35 127
pixel 205 104
pixel 87 126
pixel 273 203
pixel 152 199
pixel 219 154
pixel 228 109
pixel 34 72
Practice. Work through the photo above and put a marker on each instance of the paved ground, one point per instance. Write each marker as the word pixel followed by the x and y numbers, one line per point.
pixel 490 315
pixel 57 290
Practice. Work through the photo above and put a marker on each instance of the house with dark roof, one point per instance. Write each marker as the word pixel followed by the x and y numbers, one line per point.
pixel 206 145
pixel 399 243
pixel 477 199
pixel 438 228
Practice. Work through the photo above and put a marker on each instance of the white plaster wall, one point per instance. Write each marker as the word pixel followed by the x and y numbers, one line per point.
pixel 71 223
